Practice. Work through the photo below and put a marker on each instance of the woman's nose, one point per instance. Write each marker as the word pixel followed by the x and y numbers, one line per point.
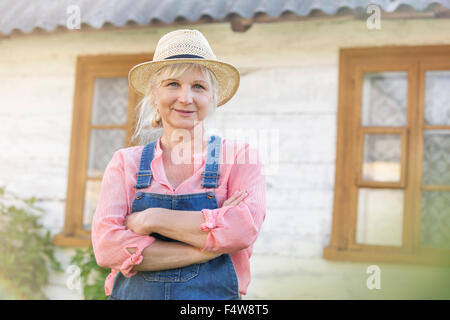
pixel 185 95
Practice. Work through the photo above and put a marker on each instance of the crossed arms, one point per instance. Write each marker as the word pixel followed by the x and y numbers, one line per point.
pixel 183 226
pixel 122 242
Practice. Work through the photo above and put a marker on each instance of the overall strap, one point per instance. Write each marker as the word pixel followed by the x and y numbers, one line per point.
pixel 211 174
pixel 144 176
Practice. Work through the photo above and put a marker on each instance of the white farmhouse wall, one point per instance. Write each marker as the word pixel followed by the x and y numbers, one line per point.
pixel 289 84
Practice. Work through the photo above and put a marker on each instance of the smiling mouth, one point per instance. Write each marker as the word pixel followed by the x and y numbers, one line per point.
pixel 184 112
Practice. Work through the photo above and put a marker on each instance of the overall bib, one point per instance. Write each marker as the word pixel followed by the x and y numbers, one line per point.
pixel 215 279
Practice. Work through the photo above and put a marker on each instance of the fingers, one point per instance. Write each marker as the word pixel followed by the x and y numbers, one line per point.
pixel 231 199
pixel 237 194
pixel 236 198
pixel 242 195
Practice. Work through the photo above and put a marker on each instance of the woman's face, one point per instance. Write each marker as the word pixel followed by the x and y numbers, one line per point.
pixel 184 101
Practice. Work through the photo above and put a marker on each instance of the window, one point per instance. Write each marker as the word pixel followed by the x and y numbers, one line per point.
pixel 103 121
pixel 392 186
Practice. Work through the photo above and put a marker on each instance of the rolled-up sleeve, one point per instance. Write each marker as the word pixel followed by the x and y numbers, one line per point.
pixel 233 228
pixel 110 238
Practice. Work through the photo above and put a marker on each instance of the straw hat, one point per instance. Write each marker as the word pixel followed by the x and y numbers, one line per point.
pixel 186 45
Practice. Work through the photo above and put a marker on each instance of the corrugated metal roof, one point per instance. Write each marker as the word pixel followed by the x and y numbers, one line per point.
pixel 27 15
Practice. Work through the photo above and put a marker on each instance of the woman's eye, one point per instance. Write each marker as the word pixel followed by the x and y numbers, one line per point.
pixel 175 84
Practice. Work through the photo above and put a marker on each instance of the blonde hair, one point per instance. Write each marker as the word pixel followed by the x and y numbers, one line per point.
pixel 148 124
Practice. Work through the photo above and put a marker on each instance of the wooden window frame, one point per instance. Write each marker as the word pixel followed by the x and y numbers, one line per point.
pixel 353 62
pixel 88 68
pixel 402 132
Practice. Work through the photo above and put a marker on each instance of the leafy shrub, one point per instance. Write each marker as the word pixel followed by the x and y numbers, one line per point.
pixel 26 249
pixel 92 275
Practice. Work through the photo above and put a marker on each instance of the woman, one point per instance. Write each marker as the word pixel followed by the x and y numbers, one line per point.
pixel 175 221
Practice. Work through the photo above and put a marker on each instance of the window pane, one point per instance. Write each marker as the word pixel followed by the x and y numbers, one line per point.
pixel 437 97
pixel 109 105
pixel 380 217
pixel 436 158
pixel 384 98
pixel 90 202
pixel 381 159
pixel 103 144
pixel 435 219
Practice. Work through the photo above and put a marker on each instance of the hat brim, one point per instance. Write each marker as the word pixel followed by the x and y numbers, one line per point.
pixel 227 76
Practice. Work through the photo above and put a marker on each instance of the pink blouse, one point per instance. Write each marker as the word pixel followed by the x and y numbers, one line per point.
pixel 230 228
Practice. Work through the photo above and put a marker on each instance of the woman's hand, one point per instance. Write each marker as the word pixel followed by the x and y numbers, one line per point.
pixel 235 198
pixel 140 222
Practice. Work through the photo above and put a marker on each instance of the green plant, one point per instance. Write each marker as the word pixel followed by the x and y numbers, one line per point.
pixel 26 249
pixel 92 275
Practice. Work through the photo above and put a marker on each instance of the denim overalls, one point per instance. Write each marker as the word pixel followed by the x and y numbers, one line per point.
pixel 215 279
